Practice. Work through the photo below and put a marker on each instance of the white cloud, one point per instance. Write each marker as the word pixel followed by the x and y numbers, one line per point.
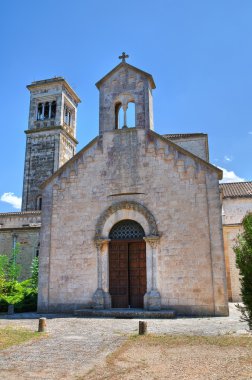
pixel 12 199
pixel 228 158
pixel 230 176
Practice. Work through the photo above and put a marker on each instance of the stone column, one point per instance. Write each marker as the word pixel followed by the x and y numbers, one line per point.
pixel 152 299
pixel 101 297
pixel 50 110
pixel 43 111
pixel 125 107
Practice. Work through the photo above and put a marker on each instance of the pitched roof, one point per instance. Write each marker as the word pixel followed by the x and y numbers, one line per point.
pixel 125 64
pixel 183 135
pixel 236 189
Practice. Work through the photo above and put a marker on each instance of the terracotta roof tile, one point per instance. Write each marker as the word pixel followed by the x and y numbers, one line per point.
pixel 236 189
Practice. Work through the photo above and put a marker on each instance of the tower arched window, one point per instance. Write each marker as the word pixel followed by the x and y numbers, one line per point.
pixel 40 112
pixel 118 114
pixel 131 115
pixel 67 116
pixel 46 110
pixel 53 109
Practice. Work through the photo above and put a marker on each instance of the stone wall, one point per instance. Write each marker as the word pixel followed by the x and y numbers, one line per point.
pixel 234 210
pixel 233 283
pixel 22 228
pixel 178 190
pixel 197 145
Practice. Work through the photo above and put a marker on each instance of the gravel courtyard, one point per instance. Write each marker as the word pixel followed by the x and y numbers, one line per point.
pixel 75 345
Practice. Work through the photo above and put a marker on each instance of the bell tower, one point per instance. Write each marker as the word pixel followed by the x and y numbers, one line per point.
pixel 51 135
pixel 123 85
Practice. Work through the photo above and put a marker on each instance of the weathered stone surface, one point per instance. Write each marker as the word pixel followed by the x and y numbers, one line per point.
pixel 50 139
pixel 125 165
pixel 196 143
pixel 128 173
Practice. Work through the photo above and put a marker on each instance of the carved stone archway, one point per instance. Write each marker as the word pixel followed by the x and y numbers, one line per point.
pixel 112 215
pixel 125 208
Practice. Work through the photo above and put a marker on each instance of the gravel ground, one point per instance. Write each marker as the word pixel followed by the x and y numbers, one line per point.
pixel 75 345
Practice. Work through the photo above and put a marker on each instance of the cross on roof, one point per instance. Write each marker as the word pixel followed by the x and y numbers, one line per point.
pixel 123 56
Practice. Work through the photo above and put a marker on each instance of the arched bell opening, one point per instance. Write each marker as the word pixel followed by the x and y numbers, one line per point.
pixel 131 115
pixel 118 115
pixel 125 114
pixel 127 265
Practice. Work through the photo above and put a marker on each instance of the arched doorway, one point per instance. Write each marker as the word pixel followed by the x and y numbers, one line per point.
pixel 127 265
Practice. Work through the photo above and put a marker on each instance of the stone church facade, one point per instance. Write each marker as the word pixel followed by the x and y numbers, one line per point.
pixel 134 218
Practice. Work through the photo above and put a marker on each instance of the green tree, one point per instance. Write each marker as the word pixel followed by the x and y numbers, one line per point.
pixel 13 292
pixel 34 273
pixel 243 250
pixel 10 290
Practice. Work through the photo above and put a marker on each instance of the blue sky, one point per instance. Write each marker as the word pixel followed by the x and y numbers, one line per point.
pixel 199 53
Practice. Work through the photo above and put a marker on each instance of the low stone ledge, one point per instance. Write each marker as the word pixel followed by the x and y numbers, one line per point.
pixel 125 313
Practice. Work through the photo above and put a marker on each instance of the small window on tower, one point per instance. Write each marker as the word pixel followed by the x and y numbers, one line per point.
pixel 118 108
pixel 46 111
pixel 53 109
pixel 37 250
pixel 39 202
pixel 40 112
pixel 131 115
pixel 67 116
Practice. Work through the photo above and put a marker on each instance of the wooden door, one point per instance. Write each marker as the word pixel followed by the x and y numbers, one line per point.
pixel 137 273
pixel 118 273
pixel 127 273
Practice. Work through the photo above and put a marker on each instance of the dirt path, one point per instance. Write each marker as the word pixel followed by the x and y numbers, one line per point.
pixel 75 345
pixel 158 358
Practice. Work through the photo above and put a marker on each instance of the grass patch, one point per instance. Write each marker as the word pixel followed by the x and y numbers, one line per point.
pixel 10 336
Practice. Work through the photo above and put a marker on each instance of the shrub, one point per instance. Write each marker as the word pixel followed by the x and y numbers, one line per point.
pixel 12 292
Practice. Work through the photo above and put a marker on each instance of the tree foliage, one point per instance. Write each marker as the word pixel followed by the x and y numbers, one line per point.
pixel 13 292
pixel 243 250
pixel 34 273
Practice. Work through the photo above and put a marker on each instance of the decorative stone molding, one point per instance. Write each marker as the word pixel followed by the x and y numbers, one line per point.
pixel 101 297
pixel 152 240
pixel 100 242
pixel 126 205
pixel 113 214
pixel 152 299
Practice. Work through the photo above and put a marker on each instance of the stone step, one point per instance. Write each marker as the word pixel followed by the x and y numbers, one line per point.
pixel 126 313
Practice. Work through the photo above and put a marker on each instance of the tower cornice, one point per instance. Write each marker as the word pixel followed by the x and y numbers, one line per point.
pixel 55 128
pixel 52 81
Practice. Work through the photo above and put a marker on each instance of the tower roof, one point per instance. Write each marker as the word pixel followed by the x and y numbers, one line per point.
pixel 126 65
pixel 60 80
